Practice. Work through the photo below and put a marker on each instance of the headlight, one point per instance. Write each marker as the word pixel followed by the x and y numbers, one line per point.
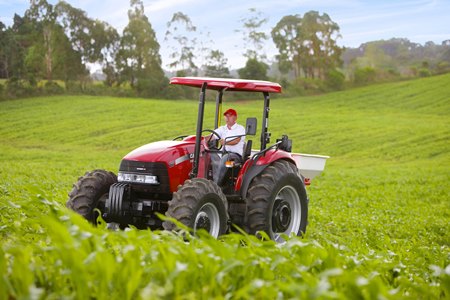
pixel 137 178
pixel 151 179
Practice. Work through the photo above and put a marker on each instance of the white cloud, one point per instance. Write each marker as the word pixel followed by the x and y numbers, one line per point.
pixel 160 5
pixel 13 2
pixel 430 37
pixel 382 13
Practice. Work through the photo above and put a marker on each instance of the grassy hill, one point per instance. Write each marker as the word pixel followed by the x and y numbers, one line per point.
pixel 378 220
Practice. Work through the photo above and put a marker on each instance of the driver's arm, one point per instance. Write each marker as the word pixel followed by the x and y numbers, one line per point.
pixel 231 142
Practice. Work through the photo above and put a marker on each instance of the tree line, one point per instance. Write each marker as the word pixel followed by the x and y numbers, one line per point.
pixel 55 44
pixel 395 58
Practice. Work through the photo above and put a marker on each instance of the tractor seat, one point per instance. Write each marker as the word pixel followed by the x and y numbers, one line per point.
pixel 247 151
pixel 245 154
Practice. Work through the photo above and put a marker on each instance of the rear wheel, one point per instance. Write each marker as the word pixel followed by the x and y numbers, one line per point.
pixel 90 192
pixel 199 204
pixel 277 202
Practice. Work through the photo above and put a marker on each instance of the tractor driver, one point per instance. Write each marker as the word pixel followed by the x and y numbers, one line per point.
pixel 234 147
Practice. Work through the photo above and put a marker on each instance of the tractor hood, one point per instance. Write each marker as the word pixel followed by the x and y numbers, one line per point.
pixel 169 161
pixel 168 152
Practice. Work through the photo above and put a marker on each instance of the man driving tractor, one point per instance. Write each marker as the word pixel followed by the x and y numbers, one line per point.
pixel 233 147
pixel 264 192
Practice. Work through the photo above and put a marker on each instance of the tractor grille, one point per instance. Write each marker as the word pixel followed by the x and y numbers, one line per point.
pixel 150 168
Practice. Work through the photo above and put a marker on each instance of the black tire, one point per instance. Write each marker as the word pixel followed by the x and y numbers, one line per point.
pixel 90 192
pixel 277 202
pixel 199 203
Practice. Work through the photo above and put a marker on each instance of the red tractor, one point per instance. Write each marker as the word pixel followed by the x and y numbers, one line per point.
pixel 263 192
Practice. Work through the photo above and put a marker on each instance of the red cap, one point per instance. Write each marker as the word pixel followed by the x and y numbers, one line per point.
pixel 230 111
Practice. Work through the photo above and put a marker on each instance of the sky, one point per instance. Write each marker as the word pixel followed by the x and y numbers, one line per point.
pixel 359 21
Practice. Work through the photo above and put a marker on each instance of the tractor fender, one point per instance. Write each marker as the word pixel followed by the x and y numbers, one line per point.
pixel 251 173
pixel 253 168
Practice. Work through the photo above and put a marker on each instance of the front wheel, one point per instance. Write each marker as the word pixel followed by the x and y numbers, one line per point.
pixel 277 202
pixel 199 204
pixel 90 192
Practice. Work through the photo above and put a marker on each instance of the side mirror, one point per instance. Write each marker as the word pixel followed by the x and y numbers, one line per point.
pixel 250 126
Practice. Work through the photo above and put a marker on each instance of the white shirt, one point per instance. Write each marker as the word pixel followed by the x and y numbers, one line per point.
pixel 236 129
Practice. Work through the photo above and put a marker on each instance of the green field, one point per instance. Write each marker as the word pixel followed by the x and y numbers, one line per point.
pixel 379 217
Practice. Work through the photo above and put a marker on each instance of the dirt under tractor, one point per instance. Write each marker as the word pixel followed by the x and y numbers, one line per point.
pixel 263 191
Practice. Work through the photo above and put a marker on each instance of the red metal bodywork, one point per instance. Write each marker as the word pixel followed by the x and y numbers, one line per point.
pixel 230 84
pixel 177 155
pixel 269 157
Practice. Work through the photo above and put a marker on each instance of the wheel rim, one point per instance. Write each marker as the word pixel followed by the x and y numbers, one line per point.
pixel 208 219
pixel 286 213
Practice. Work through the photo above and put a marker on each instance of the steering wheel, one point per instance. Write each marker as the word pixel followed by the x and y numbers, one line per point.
pixel 180 137
pixel 212 144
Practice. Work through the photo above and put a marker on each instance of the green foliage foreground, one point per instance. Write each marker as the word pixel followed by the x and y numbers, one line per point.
pixel 379 214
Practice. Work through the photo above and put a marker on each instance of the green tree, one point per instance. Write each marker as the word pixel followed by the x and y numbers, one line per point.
pixel 138 59
pixel 365 76
pixel 50 54
pixel 95 41
pixel 43 16
pixel 216 65
pixel 335 80
pixel 20 37
pixel 307 44
pixel 109 41
pixel 68 64
pixel 445 55
pixel 4 43
pixel 9 48
pixel 254 38
pixel 181 30
pixel 254 69
pixel 285 36
pixel 78 28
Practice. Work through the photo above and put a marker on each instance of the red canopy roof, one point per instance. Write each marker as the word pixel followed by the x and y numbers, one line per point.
pixel 230 84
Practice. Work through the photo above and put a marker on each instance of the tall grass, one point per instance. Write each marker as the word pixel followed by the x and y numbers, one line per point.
pixel 379 214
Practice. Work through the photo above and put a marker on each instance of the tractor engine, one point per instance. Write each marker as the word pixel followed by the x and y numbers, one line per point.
pixel 142 189
pixel 146 180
